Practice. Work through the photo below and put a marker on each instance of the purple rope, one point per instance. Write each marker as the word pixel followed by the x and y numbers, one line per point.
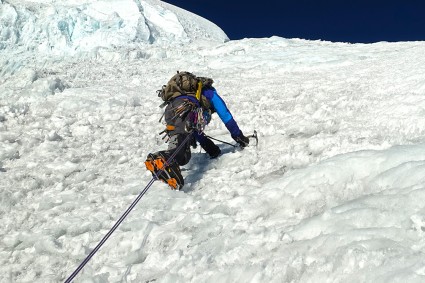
pixel 127 212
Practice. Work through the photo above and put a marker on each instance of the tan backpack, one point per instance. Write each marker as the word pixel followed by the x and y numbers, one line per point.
pixel 186 83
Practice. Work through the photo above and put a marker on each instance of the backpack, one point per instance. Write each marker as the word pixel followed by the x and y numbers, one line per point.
pixel 186 83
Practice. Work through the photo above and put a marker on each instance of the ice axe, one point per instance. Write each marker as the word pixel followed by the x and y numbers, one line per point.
pixel 253 136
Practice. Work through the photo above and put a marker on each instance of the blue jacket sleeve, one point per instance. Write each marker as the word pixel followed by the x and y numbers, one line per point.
pixel 222 111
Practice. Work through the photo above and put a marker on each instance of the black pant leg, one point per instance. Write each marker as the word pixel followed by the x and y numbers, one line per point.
pixel 184 154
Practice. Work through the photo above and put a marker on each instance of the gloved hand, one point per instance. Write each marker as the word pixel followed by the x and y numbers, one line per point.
pixel 242 140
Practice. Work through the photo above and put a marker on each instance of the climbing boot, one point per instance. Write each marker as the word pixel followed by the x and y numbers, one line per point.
pixel 169 174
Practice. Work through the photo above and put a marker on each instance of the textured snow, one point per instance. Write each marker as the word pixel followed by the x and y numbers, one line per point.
pixel 334 191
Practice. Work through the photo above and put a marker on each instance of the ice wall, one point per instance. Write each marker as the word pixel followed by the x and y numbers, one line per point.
pixel 81 25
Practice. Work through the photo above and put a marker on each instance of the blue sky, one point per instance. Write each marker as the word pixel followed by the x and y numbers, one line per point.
pixel 343 20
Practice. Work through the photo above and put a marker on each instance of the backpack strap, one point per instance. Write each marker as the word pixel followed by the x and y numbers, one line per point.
pixel 198 92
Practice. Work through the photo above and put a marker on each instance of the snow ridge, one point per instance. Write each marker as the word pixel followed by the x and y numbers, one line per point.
pixel 75 26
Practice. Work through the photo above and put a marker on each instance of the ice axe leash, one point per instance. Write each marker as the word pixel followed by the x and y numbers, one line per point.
pixel 228 143
pixel 127 212
pixel 254 136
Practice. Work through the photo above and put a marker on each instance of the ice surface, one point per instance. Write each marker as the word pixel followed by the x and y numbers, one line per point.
pixel 334 191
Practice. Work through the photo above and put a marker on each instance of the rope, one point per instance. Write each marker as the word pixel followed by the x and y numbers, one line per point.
pixel 121 219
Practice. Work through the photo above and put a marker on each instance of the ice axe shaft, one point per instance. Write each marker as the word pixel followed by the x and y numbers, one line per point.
pixel 253 136
pixel 228 143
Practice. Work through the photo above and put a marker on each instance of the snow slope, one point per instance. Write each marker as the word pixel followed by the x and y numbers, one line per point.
pixel 334 191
